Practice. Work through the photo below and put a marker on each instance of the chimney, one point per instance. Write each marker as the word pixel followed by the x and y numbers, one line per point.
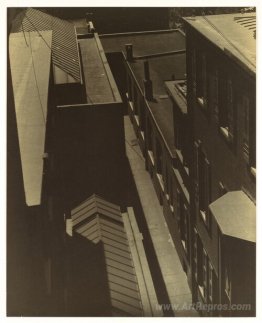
pixel 129 52
pixel 148 86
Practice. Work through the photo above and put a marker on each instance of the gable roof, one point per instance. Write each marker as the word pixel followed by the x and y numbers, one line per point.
pixel 100 221
pixel 64 41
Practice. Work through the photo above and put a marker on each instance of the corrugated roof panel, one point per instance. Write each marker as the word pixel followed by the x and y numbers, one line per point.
pixel 114 237
pixel 116 257
pixel 123 290
pixel 87 226
pixel 127 268
pixel 93 235
pixel 118 233
pixel 120 273
pixel 117 251
pixel 86 233
pixel 125 299
pixel 123 282
pixel 115 244
pixel 84 214
pixel 64 41
pixel 127 308
pixel 108 223
pixel 110 214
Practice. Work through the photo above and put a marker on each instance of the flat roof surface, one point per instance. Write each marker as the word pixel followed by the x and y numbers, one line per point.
pixel 30 69
pixel 235 214
pixel 161 70
pixel 99 82
pixel 231 32
pixel 144 43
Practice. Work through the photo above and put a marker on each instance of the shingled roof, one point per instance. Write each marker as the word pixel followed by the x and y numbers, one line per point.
pixel 100 221
pixel 64 41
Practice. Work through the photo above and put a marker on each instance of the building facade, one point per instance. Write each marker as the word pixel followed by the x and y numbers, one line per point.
pixel 221 98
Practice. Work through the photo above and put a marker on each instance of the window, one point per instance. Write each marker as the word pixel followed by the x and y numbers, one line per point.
pixel 135 99
pixel 195 171
pixel 178 208
pixel 198 258
pixel 168 184
pixel 129 88
pixel 213 92
pixel 142 114
pixel 184 229
pixel 226 110
pixel 159 158
pixel 204 187
pixel 201 80
pixel 213 284
pixel 246 128
pixel 222 190
pixel 194 70
pixel 228 282
pixel 205 276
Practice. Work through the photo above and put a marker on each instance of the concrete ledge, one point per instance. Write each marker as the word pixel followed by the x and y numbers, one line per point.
pixel 145 282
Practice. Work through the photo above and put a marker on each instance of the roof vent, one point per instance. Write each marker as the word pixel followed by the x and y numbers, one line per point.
pixel 129 52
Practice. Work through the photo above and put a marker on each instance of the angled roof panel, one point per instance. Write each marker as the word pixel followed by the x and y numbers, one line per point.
pixel 107 227
pixel 235 214
pixel 231 34
pixel 64 42
pixel 30 60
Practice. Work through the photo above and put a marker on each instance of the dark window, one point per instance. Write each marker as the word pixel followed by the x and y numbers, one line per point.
pixel 194 70
pixel 228 282
pixel 205 275
pixel 135 99
pixel 246 127
pixel 129 88
pixel 213 285
pixel 142 114
pixel 184 227
pixel 222 190
pixel 149 135
pixel 226 109
pixel 159 158
pixel 213 92
pixel 198 258
pixel 204 187
pixel 201 79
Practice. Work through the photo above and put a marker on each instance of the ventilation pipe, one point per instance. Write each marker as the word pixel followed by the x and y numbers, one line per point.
pixel 129 52
pixel 148 86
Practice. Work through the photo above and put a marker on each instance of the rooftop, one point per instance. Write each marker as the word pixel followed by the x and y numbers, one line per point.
pixel 233 33
pixel 162 68
pixel 101 221
pixel 99 82
pixel 144 43
pixel 30 60
pixel 235 214
pixel 64 45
